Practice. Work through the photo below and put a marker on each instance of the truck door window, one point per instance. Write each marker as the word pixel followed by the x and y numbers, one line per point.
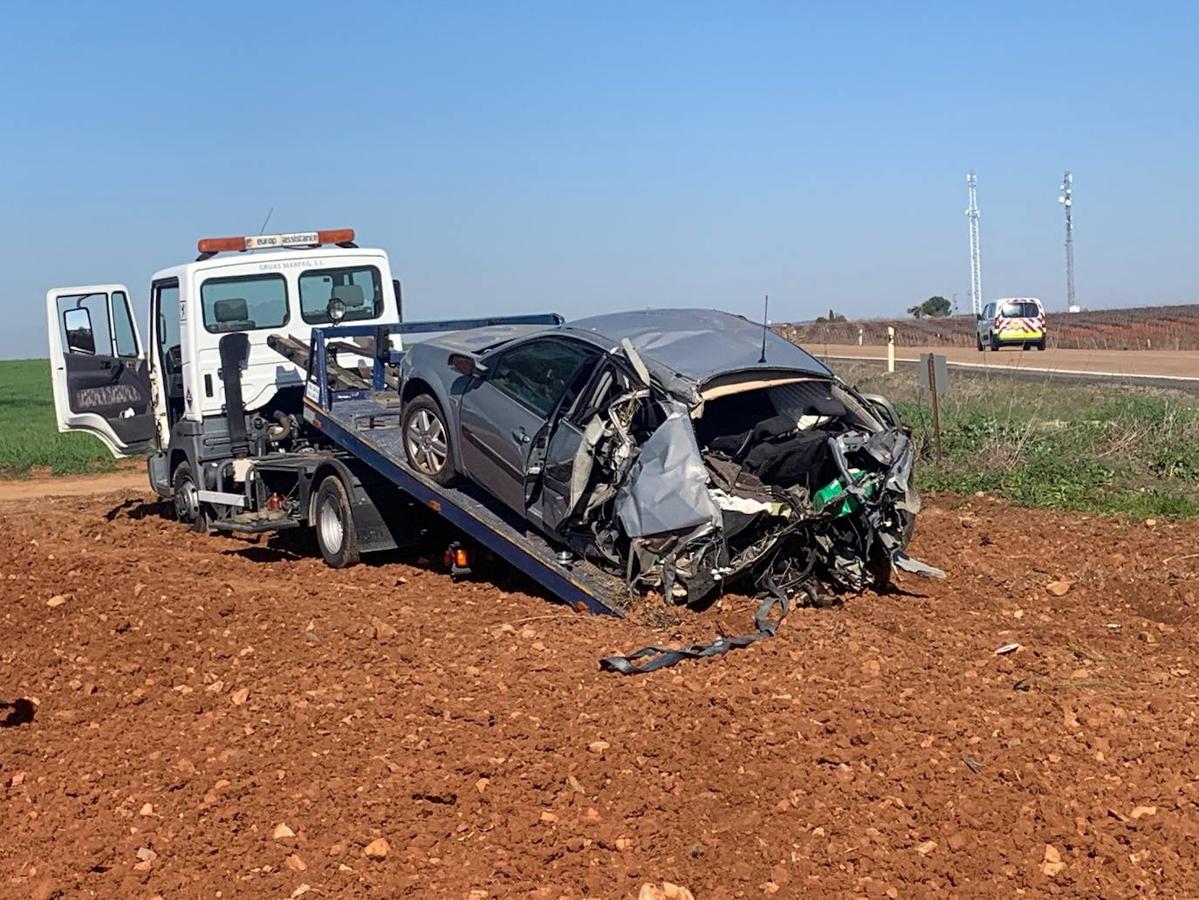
pixel 244 303
pixel 360 288
pixel 166 307
pixel 84 321
pixel 123 337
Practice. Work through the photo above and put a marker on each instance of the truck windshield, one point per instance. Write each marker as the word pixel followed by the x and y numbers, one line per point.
pixel 244 303
pixel 360 288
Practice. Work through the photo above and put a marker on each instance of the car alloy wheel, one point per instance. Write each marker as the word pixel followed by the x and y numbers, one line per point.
pixel 426 443
pixel 427 440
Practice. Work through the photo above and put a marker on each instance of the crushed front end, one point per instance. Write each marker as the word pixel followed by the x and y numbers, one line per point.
pixel 781 483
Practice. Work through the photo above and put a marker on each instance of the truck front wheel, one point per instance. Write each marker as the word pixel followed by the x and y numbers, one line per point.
pixel 188 507
pixel 334 524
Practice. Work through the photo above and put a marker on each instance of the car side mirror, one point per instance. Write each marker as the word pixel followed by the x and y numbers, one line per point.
pixel 466 365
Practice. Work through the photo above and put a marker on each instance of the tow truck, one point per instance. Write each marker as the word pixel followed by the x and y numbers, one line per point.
pixel 265 399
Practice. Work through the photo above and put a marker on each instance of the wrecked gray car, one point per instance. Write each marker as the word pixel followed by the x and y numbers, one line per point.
pixel 689 450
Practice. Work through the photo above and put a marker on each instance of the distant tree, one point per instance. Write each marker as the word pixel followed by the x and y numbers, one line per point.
pixel 831 317
pixel 934 307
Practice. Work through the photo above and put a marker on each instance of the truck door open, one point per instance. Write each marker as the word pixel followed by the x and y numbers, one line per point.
pixel 98 367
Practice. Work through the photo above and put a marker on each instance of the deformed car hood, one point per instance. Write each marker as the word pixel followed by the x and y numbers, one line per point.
pixel 684 348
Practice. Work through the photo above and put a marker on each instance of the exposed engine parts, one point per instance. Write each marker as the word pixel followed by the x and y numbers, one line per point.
pixel 797 487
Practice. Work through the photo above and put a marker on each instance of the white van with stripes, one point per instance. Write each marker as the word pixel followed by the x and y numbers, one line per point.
pixel 1012 322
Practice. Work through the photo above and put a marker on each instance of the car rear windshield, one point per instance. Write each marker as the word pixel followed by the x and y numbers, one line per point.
pixel 1022 309
pixel 360 288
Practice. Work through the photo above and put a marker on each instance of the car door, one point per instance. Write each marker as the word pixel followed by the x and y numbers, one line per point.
pixel 984 323
pixel 502 414
pixel 568 457
pixel 98 368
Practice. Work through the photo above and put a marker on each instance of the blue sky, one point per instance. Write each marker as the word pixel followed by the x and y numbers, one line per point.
pixel 582 157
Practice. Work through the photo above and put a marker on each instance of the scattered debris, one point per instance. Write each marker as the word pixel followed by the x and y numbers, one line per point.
pixel 664 891
pixel 1006 649
pixel 1059 588
pixel 1052 863
pixel 56 600
pixel 377 849
pixel 282 832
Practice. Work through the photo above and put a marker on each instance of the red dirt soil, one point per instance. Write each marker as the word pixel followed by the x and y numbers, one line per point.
pixel 190 694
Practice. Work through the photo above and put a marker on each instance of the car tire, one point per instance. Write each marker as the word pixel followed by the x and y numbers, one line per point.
pixel 427 443
pixel 1026 346
pixel 979 342
pixel 333 522
pixel 1041 344
pixel 994 342
pixel 189 509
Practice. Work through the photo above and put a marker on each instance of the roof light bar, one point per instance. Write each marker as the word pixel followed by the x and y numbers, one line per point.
pixel 340 236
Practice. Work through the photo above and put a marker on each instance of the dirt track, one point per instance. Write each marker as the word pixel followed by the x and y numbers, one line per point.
pixel 194 693
pixel 1175 363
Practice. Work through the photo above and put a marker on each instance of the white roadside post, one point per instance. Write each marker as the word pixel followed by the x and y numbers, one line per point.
pixel 891 349
pixel 861 334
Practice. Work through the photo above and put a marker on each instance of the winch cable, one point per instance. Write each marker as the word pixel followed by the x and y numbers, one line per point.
pixel 662 657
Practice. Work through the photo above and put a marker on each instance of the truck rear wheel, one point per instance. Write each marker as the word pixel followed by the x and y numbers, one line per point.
pixel 333 521
pixel 188 507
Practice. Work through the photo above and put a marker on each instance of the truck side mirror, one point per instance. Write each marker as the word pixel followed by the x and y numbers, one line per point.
pixel 77 323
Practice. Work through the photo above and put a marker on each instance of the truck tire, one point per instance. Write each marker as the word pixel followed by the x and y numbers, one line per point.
pixel 188 507
pixel 333 522
pixel 427 442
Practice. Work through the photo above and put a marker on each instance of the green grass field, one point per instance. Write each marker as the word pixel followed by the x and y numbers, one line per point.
pixel 29 438
pixel 1086 448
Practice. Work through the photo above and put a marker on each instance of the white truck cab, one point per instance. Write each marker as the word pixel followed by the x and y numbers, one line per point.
pixel 204 375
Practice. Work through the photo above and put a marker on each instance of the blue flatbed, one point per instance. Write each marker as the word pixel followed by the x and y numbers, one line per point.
pixel 366 424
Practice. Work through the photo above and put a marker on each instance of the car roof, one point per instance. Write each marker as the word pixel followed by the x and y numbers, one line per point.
pixel 700 344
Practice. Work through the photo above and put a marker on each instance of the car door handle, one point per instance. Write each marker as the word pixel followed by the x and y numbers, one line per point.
pixel 521 435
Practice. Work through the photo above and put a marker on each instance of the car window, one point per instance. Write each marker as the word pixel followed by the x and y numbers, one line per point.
pixel 1020 310
pixel 538 374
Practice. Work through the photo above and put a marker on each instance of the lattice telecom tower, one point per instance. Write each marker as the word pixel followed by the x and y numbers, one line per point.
pixel 1066 199
pixel 976 266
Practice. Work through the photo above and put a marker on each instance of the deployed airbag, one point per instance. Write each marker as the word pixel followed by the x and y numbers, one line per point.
pixel 667 489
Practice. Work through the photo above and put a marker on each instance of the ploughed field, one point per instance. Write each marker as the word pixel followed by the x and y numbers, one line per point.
pixel 1137 328
pixel 192 694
